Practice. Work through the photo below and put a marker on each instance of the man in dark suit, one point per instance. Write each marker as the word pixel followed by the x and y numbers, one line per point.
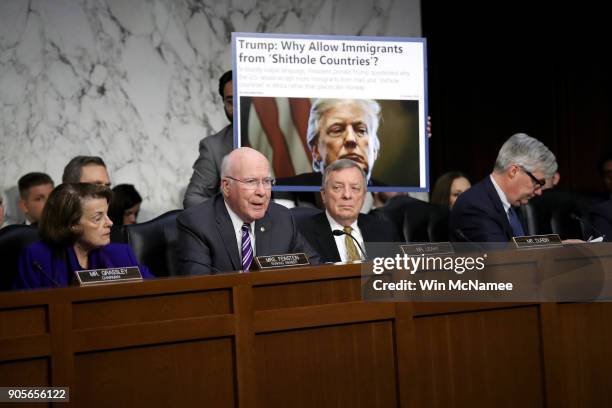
pixel 343 191
pixel 206 176
pixel 227 231
pixel 488 212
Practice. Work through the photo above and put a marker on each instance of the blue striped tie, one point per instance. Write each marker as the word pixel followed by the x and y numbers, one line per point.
pixel 247 249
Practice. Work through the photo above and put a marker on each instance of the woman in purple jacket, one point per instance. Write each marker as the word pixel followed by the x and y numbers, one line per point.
pixel 75 235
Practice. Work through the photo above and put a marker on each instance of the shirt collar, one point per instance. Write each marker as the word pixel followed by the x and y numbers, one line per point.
pixel 501 194
pixel 236 220
pixel 334 225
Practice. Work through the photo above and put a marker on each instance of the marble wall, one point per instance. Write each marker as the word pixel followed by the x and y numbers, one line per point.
pixel 135 81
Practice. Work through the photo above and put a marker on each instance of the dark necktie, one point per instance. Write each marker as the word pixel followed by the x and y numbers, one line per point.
pixel 247 248
pixel 515 223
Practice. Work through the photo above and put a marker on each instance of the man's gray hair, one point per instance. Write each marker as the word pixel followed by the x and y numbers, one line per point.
pixel 528 152
pixel 342 164
pixel 321 106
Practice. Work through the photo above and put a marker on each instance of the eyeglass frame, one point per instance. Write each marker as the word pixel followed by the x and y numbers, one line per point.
pixel 247 183
pixel 538 183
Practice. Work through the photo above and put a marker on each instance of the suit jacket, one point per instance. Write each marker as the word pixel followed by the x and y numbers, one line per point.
pixel 207 241
pixel 206 176
pixel 479 214
pixel 59 264
pixel 601 218
pixel 318 233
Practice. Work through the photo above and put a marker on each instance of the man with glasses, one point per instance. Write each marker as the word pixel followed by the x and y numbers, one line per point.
pixel 343 191
pixel 226 232
pixel 488 212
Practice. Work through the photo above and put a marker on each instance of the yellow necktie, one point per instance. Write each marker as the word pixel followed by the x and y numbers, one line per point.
pixel 351 249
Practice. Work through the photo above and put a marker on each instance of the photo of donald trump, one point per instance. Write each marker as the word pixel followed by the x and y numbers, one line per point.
pixel 334 129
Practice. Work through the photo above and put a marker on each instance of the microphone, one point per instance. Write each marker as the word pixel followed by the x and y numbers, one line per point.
pixel 40 269
pixel 338 232
pixel 584 222
pixel 464 237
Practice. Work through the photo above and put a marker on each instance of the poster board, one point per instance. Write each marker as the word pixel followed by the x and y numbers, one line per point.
pixel 278 78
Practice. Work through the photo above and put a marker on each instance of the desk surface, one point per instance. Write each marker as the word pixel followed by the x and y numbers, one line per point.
pixel 301 337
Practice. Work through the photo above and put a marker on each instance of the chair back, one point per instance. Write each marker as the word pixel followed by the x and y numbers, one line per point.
pixel 13 240
pixel 552 213
pixel 425 222
pixel 301 214
pixel 154 243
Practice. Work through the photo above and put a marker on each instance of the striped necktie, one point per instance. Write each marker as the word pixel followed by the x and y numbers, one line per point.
pixel 247 248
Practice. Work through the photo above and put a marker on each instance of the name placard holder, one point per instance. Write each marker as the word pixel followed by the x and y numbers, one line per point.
pixel 108 275
pixel 428 248
pixel 537 241
pixel 280 261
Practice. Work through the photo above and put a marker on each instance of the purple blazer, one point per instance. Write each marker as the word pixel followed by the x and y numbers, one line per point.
pixel 41 266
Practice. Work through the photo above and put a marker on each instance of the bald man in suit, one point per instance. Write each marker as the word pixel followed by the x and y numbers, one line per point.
pixel 228 231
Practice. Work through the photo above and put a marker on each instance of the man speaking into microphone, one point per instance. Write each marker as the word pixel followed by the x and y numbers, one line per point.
pixel 339 233
pixel 228 231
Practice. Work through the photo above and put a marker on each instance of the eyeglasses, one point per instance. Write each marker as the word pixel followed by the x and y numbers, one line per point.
pixel 537 182
pixel 253 183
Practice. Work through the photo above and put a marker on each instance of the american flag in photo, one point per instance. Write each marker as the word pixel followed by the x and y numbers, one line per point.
pixel 277 128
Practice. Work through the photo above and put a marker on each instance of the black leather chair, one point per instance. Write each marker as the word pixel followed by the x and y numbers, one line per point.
pixel 13 239
pixel 425 222
pixel 553 213
pixel 154 243
pixel 394 211
pixel 417 220
pixel 300 214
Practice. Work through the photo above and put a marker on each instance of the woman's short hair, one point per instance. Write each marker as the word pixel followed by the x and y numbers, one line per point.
pixel 125 197
pixel 64 209
pixel 442 189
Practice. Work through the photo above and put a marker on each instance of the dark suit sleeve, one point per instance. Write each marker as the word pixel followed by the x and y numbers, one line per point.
pixel 476 224
pixel 193 252
pixel 301 245
pixel 204 181
pixel 26 278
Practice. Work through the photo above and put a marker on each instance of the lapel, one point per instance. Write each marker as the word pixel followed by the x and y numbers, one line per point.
pixel 498 207
pixel 364 226
pixel 227 233
pixel 263 233
pixel 325 238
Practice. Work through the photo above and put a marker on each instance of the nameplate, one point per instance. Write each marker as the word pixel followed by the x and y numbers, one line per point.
pixel 279 261
pixel 537 241
pixel 437 248
pixel 108 275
